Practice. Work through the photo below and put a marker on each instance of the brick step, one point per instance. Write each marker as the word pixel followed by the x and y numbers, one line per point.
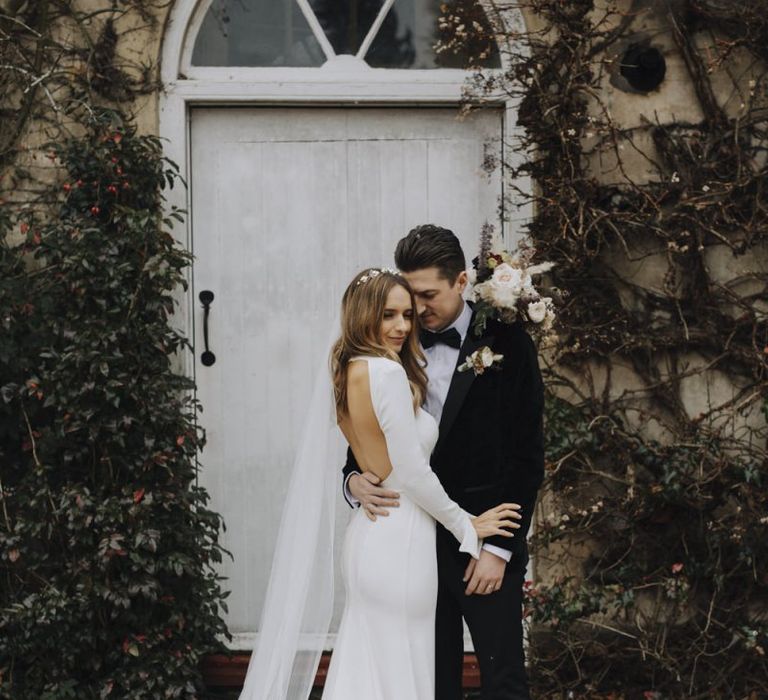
pixel 220 671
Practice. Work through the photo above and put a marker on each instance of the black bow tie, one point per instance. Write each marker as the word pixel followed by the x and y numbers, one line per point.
pixel 450 337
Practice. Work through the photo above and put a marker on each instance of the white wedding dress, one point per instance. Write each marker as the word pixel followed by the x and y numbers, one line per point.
pixel 385 648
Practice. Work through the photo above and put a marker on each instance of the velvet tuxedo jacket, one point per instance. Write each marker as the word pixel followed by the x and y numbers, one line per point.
pixel 491 449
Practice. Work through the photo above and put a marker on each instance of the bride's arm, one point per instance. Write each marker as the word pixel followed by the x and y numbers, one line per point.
pixel 393 405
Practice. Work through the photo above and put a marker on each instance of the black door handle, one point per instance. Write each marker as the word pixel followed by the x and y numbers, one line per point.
pixel 206 297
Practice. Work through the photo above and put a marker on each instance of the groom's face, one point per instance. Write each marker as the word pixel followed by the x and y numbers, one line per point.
pixel 438 302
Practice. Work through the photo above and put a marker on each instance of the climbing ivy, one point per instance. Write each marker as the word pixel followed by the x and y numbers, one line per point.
pixel 107 546
pixel 652 546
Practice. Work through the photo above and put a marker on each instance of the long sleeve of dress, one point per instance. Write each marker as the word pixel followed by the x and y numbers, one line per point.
pixel 393 404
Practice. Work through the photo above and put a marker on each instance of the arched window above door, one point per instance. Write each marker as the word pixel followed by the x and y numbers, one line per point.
pixel 308 33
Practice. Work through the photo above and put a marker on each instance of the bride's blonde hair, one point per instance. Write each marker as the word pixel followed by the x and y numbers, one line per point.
pixel 362 312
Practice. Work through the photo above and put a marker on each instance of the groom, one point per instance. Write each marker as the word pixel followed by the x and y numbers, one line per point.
pixel 490 451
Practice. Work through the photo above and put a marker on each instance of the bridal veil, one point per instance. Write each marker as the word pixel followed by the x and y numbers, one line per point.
pixel 299 601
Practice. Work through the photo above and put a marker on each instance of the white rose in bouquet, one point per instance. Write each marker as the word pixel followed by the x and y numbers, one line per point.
pixel 505 285
pixel 507 276
pixel 537 311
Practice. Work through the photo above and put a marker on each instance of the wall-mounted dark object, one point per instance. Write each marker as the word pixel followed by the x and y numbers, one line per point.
pixel 643 67
pixel 206 297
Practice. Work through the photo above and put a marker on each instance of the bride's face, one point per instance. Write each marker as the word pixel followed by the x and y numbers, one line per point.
pixel 398 318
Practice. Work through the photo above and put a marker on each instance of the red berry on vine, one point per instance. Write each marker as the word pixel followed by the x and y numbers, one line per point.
pixel 66 187
pixel 112 189
pixel 95 210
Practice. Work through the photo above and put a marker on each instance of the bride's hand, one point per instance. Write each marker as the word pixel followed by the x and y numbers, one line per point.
pixel 495 520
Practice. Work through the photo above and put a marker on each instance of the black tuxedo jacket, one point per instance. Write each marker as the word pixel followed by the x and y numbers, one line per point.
pixel 490 449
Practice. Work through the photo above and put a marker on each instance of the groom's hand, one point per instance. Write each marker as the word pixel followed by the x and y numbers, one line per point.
pixel 374 499
pixel 485 574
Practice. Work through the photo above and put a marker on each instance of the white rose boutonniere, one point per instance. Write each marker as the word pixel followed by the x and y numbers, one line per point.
pixel 480 360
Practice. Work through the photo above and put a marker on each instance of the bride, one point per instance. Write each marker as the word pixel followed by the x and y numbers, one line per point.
pixel 386 642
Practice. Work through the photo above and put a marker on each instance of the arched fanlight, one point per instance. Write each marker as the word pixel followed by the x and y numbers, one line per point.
pixel 256 33
pixel 272 33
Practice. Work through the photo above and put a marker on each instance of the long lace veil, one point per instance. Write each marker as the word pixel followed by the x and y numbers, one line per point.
pixel 299 601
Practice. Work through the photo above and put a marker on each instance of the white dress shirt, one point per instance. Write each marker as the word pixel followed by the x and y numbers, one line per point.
pixel 441 365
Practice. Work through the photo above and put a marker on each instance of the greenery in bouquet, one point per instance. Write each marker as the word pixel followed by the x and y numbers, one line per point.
pixel 503 288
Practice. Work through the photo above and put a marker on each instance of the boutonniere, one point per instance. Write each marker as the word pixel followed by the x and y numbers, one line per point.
pixel 480 360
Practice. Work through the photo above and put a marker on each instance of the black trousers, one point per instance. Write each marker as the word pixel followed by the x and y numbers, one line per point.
pixel 494 621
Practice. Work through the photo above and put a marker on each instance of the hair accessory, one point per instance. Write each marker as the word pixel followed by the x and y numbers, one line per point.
pixel 375 272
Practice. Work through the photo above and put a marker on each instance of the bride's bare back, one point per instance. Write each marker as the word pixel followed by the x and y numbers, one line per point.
pixel 361 427
pixel 369 445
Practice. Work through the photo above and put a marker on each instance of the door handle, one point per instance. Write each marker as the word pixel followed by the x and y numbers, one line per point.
pixel 206 297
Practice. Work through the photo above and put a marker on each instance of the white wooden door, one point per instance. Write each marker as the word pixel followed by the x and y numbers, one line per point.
pixel 287 205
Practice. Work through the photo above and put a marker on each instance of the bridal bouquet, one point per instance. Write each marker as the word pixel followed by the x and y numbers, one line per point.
pixel 503 289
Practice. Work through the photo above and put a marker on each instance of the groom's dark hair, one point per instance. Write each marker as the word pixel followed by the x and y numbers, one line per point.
pixel 431 246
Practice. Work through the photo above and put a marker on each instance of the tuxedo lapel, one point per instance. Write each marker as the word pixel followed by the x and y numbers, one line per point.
pixel 460 382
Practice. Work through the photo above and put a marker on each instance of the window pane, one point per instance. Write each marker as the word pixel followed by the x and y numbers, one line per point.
pixel 256 33
pixel 346 22
pixel 410 32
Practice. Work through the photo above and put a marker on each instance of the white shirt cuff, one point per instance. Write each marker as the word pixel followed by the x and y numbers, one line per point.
pixel 348 495
pixel 505 554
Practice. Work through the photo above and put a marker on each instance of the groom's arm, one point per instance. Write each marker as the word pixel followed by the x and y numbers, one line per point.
pixel 523 412
pixel 363 489
pixel 350 468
